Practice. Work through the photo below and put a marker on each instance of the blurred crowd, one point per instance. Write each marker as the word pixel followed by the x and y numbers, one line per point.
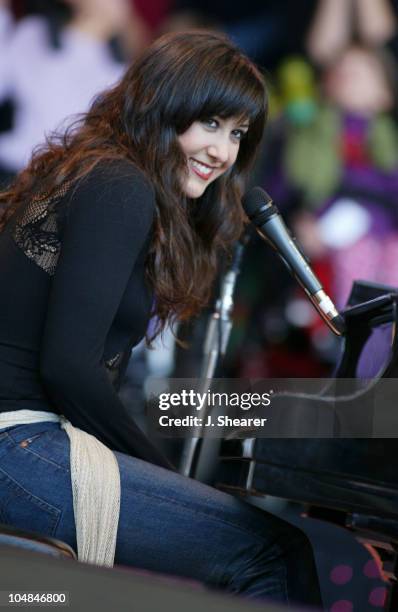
pixel 329 159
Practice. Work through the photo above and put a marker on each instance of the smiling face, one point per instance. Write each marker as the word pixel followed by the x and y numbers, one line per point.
pixel 211 147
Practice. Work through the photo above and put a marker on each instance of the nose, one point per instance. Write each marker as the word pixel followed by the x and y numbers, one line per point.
pixel 220 149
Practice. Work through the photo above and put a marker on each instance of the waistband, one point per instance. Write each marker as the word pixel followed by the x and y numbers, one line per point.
pixel 25 417
pixel 20 432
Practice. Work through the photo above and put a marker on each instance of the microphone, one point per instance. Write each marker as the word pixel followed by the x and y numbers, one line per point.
pixel 269 224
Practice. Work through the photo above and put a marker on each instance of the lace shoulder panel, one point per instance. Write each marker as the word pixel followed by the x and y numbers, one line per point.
pixel 36 232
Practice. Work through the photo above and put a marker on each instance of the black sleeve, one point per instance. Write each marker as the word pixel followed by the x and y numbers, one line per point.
pixel 109 218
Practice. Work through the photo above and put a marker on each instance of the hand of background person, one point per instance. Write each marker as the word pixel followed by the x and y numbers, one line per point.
pixel 330 31
pixel 112 16
pixel 335 22
pixel 100 18
pixel 376 21
pixel 104 20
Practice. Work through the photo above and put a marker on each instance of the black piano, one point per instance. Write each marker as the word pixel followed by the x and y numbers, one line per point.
pixel 352 481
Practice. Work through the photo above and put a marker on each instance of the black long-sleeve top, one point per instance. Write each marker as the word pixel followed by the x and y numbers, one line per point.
pixel 74 301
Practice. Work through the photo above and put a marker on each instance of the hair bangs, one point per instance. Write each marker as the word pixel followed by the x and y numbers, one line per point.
pixel 233 95
pixel 232 90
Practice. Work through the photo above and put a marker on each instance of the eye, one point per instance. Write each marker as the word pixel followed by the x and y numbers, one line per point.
pixel 238 134
pixel 211 122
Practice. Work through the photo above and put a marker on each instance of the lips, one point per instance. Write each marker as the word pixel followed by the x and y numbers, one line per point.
pixel 200 169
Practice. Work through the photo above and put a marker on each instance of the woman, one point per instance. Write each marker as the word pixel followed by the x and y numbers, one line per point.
pixel 134 202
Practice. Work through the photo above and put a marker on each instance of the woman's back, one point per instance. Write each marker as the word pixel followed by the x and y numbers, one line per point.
pixel 75 301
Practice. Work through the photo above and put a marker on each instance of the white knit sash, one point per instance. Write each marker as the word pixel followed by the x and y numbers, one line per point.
pixel 95 480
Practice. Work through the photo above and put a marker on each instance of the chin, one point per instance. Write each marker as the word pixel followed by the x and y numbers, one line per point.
pixel 194 191
pixel 194 194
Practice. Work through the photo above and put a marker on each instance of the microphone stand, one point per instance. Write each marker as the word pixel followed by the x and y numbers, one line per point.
pixel 215 345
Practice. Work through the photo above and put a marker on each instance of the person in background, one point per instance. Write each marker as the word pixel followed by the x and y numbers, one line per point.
pixel 354 143
pixel 54 62
pixel 330 162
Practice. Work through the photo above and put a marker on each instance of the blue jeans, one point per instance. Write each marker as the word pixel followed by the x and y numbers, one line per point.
pixel 168 523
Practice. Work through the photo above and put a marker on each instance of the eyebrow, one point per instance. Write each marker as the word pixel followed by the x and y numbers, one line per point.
pixel 243 124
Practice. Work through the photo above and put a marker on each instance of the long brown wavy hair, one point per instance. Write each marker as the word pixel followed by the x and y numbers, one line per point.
pixel 179 79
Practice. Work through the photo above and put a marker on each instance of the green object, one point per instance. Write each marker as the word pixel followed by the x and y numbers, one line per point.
pixel 312 159
pixel 383 143
pixel 312 156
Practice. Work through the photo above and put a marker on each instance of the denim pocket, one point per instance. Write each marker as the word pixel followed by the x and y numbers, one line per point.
pixel 50 446
pixel 22 509
pixel 28 441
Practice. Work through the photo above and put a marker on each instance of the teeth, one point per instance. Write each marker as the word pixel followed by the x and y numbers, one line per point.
pixel 203 169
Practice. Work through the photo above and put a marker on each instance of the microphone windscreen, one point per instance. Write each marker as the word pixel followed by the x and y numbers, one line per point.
pixel 254 200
